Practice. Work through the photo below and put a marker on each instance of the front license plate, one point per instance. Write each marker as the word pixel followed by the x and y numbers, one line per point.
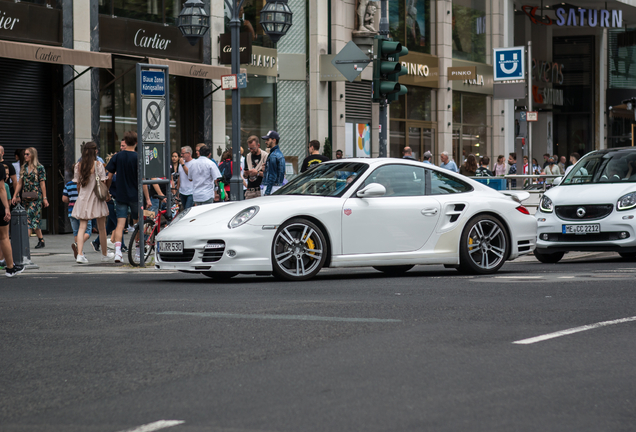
pixel 582 229
pixel 171 247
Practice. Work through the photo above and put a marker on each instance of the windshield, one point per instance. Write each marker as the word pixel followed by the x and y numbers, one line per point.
pixel 613 167
pixel 329 179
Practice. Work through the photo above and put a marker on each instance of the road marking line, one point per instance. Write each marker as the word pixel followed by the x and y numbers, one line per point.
pixel 573 330
pixel 155 426
pixel 277 317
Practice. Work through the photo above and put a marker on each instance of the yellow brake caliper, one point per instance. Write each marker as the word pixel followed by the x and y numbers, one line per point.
pixel 310 244
pixel 470 242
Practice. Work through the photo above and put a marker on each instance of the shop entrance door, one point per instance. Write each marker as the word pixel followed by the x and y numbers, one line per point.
pixel 421 139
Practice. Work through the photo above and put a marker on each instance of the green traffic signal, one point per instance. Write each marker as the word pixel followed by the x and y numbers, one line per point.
pixel 387 69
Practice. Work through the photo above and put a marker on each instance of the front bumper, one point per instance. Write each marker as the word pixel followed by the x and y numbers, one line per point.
pixel 616 234
pixel 247 249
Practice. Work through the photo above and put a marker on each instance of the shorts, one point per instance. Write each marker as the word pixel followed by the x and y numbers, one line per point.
pixel 122 208
pixel 75 224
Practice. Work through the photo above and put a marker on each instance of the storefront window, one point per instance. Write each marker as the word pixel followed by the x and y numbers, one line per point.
pixel 622 53
pixel 419 103
pixel 470 133
pixel 397 138
pixel 257 110
pixel 410 23
pixel 160 11
pixel 250 15
pixel 470 30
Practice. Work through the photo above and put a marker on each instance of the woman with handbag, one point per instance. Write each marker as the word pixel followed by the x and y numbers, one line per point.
pixel 32 184
pixel 90 177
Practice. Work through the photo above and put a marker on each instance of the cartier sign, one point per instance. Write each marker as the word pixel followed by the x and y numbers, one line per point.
pixel 120 35
pixel 225 41
pixel 30 23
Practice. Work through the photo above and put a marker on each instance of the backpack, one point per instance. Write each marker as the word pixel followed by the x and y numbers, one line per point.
pixel 226 171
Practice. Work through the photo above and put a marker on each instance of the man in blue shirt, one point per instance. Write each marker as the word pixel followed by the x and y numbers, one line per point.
pixel 448 163
pixel 275 167
pixel 427 157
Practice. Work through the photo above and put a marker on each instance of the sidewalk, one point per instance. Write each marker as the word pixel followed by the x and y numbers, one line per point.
pixel 57 257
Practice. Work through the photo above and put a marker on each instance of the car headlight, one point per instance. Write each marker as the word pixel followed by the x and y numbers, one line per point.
pixel 546 205
pixel 243 217
pixel 627 202
pixel 180 216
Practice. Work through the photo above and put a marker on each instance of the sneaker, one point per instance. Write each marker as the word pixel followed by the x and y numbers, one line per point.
pixel 81 259
pixel 124 249
pixel 3 264
pixel 110 244
pixel 108 257
pixel 118 257
pixel 95 244
pixel 74 247
pixel 40 244
pixel 16 270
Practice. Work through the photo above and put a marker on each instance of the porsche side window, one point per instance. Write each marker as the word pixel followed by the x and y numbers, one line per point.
pixel 442 184
pixel 399 180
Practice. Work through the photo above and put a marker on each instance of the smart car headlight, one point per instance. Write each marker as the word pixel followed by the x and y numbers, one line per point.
pixel 243 217
pixel 546 205
pixel 627 202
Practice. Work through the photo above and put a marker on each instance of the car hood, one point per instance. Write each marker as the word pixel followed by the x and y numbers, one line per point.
pixel 602 193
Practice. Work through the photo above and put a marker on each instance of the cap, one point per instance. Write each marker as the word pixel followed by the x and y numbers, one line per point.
pixel 273 135
pixel 427 155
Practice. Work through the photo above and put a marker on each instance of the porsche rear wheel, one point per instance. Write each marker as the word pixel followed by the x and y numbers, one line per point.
pixel 394 270
pixel 484 246
pixel 299 250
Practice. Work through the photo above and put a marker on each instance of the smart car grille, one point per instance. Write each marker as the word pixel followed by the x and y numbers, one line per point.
pixel 213 251
pixel 186 256
pixel 589 212
pixel 574 238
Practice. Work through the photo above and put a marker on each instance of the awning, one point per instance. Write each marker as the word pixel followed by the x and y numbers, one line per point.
pixel 55 55
pixel 193 70
pixel 622 112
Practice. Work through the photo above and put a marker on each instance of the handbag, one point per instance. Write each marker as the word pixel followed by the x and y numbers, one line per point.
pixel 100 189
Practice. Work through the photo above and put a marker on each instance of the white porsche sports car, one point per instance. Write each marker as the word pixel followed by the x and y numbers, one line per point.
pixel 592 209
pixel 390 214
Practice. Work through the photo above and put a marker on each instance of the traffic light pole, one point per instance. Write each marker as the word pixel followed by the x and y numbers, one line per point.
pixel 384 112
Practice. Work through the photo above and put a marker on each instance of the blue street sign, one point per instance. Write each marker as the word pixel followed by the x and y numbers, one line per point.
pixel 522 116
pixel 153 83
pixel 509 64
pixel 242 80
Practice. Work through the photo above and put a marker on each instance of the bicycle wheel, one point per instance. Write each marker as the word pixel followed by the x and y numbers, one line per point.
pixel 149 244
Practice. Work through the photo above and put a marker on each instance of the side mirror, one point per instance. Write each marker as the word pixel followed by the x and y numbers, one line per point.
pixel 372 190
pixel 557 181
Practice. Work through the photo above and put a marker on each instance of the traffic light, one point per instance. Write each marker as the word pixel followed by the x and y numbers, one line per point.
pixel 387 69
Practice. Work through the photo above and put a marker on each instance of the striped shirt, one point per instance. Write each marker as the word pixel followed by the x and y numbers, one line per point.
pixel 70 191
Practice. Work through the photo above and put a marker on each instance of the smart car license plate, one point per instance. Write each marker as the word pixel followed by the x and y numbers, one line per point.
pixel 171 247
pixel 582 229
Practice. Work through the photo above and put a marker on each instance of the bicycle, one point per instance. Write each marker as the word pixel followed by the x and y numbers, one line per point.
pixel 151 228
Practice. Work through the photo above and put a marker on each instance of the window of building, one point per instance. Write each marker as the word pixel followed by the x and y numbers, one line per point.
pixel 410 22
pixel 250 15
pixel 470 30
pixel 414 113
pixel 159 11
pixel 622 54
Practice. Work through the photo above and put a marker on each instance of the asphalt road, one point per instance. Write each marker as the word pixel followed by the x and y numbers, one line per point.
pixel 352 350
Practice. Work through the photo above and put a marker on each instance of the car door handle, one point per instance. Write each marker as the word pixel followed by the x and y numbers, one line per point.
pixel 429 212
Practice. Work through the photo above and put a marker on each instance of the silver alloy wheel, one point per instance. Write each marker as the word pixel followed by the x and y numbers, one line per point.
pixel 298 249
pixel 486 244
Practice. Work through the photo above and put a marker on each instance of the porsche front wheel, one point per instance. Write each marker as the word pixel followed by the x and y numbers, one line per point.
pixel 299 250
pixel 484 246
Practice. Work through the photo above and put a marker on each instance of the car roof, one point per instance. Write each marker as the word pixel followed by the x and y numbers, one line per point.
pixel 388 160
pixel 612 150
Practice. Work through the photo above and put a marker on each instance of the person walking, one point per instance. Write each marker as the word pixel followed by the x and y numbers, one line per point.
pixel 407 153
pixel 124 164
pixel 11 269
pixel 185 184
pixel 483 170
pixel 204 175
pixel 32 184
pixel 512 170
pixel 275 167
pixel 174 172
pixel 447 163
pixel 254 166
pixel 469 168
pixel 500 166
pixel 314 157
pixel 69 197
pixel 12 180
pixel 88 206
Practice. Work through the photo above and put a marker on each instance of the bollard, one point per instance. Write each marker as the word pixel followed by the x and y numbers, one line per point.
pixel 20 238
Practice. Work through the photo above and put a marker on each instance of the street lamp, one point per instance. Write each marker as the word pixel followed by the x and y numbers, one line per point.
pixel 193 21
pixel 276 19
